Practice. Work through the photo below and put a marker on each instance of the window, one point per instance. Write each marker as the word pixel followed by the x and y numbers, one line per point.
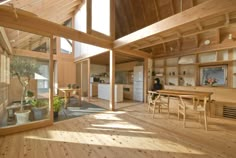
pixel 66 46
pixel 101 16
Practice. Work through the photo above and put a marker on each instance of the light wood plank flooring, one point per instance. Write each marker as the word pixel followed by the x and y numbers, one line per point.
pixel 128 132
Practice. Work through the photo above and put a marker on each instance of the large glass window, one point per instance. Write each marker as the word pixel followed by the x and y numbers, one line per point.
pixel 66 46
pixel 24 81
pixel 101 16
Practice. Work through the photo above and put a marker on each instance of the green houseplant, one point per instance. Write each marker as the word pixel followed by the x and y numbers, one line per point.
pixel 24 69
pixel 40 109
pixel 57 104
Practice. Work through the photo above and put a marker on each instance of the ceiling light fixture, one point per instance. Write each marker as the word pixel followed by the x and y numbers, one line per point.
pixel 230 37
pixel 207 42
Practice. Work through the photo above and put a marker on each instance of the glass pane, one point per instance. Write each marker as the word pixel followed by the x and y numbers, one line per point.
pixel 24 80
pixel 66 46
pixel 101 16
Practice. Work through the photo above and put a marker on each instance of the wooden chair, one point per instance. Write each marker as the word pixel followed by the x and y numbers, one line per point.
pixel 156 101
pixel 198 103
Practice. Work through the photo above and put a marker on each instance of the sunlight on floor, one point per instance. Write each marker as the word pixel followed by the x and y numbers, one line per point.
pixel 119 125
pixel 107 117
pixel 121 141
pixel 120 130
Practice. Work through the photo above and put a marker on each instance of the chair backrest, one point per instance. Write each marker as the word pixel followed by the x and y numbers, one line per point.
pixel 196 100
pixel 151 96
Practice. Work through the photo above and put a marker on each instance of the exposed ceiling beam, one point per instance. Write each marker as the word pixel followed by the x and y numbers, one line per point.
pixel 215 47
pixel 27 22
pixel 136 53
pixel 4 42
pixel 209 9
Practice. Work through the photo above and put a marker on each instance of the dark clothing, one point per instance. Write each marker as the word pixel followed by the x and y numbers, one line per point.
pixel 157 87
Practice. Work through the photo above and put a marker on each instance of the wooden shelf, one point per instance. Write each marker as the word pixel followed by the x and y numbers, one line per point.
pixel 186 75
pixel 172 76
pixel 187 64
pixel 175 66
pixel 215 63
pixel 160 67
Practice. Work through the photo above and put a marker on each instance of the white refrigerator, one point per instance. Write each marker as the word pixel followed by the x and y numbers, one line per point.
pixel 138 83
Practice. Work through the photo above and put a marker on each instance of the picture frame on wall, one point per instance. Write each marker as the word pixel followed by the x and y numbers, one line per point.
pixel 213 75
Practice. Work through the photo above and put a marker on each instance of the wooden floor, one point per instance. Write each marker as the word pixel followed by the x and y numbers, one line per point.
pixel 128 132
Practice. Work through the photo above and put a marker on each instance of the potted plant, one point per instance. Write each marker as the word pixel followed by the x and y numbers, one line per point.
pixel 57 104
pixel 23 68
pixel 39 109
pixel 29 97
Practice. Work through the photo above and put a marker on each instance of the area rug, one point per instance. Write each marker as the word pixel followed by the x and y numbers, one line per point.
pixel 73 110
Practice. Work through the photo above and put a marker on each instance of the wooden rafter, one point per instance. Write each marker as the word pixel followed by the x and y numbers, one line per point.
pixel 172 6
pixel 136 53
pixel 157 10
pixel 4 41
pixel 199 26
pixel 27 22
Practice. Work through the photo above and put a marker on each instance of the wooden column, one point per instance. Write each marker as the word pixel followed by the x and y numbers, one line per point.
pixel 89 16
pixel 112 19
pixel 145 79
pixel 81 79
pixel 51 63
pixel 89 79
pixel 112 80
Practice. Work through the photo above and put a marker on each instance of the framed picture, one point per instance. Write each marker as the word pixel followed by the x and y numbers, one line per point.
pixel 213 75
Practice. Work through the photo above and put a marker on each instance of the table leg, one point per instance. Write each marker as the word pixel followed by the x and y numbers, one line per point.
pixel 65 98
pixel 209 106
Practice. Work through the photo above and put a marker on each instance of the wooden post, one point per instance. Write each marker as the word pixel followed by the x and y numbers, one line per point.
pixel 88 79
pixel 51 79
pixel 112 80
pixel 81 79
pixel 145 79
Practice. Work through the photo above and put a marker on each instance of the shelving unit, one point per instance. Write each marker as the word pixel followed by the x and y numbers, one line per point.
pixel 185 70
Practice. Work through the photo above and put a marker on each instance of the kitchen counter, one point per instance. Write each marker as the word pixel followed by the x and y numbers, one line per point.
pixel 104 92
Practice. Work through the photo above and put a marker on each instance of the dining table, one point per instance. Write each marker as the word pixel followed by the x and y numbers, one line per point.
pixel 176 93
pixel 67 94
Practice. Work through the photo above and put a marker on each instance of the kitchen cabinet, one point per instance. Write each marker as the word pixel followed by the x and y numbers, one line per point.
pixel 104 92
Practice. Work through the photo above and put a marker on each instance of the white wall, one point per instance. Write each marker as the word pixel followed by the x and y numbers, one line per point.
pixel 97 69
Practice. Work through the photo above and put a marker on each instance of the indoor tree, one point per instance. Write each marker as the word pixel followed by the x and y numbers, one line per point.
pixel 24 69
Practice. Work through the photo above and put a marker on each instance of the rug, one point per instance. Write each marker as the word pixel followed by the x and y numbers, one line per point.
pixel 73 110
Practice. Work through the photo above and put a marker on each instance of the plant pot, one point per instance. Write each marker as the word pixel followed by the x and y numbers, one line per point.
pixel 22 117
pixel 55 114
pixel 40 112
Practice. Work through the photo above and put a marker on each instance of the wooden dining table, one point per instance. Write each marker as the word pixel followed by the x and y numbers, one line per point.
pixel 176 93
pixel 67 93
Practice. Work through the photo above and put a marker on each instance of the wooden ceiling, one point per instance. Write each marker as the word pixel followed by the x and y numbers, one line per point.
pixel 143 19
pixel 132 15
pixel 103 59
pixel 58 11
pixel 172 27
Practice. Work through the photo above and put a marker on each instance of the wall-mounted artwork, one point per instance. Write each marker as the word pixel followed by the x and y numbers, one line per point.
pixel 213 75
